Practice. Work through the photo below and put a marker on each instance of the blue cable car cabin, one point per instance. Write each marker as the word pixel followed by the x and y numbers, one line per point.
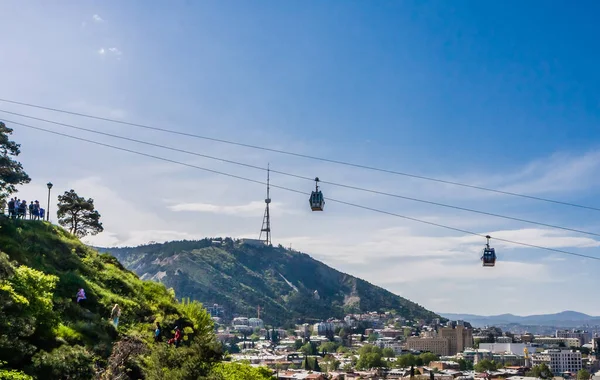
pixel 489 254
pixel 316 200
pixel 489 257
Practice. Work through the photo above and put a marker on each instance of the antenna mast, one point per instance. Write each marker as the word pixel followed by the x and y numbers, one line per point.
pixel 266 226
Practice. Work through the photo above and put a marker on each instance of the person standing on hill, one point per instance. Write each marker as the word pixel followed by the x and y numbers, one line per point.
pixel 11 208
pixel 115 314
pixel 80 295
pixel 31 210
pixel 177 336
pixel 157 337
pixel 36 210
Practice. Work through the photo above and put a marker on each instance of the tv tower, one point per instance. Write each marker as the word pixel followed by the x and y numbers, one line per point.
pixel 266 226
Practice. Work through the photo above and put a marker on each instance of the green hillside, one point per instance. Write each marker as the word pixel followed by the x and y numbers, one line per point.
pixel 45 334
pixel 242 277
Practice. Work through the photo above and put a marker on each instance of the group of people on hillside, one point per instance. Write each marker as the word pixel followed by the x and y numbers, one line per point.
pixel 115 313
pixel 18 209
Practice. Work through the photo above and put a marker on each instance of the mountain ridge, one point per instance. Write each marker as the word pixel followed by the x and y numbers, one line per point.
pixel 566 318
pixel 242 277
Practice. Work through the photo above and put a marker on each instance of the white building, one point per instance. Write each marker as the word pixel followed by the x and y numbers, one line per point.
pixel 240 321
pixel 512 348
pixel 256 322
pixel 322 328
pixel 559 361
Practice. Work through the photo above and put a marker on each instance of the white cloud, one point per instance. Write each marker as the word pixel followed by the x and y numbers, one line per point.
pixel 252 208
pixel 97 18
pixel 115 51
pixel 112 51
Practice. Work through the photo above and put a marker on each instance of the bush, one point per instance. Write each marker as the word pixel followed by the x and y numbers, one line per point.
pixel 64 362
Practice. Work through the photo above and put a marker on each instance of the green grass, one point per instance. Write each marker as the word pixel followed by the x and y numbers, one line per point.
pixel 40 246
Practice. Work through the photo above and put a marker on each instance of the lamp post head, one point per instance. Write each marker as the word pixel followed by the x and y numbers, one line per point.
pixel 49 184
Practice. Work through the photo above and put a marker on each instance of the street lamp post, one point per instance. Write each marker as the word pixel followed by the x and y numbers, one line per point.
pixel 49 184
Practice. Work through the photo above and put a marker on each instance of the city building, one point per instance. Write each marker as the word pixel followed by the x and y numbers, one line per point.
pixel 442 365
pixel 583 336
pixel 559 361
pixel 216 310
pixel 256 322
pixel 568 342
pixel 460 337
pixel 504 339
pixel 322 328
pixel 512 348
pixel 438 346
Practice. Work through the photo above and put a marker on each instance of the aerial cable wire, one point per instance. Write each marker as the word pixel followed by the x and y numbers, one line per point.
pixel 305 193
pixel 304 177
pixel 306 156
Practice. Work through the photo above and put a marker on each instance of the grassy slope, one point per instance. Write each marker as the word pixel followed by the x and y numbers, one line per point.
pixel 51 250
pixel 240 277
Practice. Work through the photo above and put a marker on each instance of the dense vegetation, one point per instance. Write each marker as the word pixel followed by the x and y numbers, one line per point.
pixel 241 277
pixel 45 334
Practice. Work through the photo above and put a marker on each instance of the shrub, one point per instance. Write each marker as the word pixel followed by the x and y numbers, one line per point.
pixel 64 362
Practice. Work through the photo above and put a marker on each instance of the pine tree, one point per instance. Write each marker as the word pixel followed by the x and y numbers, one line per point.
pixel 316 366
pixel 305 363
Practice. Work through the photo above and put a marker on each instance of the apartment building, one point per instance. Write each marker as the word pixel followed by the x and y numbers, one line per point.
pixel 583 336
pixel 447 341
pixel 460 337
pixel 438 346
pixel 568 342
pixel 559 361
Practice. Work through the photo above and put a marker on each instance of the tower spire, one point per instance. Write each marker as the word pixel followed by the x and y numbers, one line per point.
pixel 266 226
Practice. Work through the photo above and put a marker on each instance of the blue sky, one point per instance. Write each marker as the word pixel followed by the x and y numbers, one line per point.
pixel 502 94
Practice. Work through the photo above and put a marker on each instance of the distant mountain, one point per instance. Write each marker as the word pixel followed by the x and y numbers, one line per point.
pixel 242 277
pixel 562 319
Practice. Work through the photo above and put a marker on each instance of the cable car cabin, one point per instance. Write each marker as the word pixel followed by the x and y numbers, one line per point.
pixel 489 257
pixel 317 202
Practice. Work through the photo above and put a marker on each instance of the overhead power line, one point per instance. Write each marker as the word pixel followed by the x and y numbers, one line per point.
pixel 302 177
pixel 304 193
pixel 339 162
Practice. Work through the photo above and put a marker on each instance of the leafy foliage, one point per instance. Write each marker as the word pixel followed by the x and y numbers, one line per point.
pixel 46 334
pixel 486 365
pixel 370 357
pixel 583 374
pixel 240 371
pixel 241 276
pixel 70 362
pixel 540 371
pixel 11 171
pixel 78 214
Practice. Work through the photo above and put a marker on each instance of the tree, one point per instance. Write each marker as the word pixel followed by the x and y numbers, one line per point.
pixel 241 371
pixel 486 365
pixel 541 371
pixel 316 367
pixel 11 171
pixel 78 214
pixel 406 360
pixel 582 374
pixel 428 357
pixel 388 353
